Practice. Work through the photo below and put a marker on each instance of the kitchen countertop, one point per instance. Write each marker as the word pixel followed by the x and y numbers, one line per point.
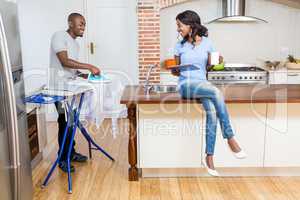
pixel 236 93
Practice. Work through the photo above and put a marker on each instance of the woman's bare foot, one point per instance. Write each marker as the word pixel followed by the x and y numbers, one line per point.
pixel 234 146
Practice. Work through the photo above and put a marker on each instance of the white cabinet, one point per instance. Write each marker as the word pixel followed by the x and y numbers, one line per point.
pixel 169 135
pixel 284 76
pixel 278 77
pixel 283 135
pixel 173 135
pixel 293 77
pixel 248 122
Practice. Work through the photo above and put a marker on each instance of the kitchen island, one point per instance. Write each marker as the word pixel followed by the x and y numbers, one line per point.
pixel 167 133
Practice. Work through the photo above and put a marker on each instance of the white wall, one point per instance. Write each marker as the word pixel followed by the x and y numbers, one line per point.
pixel 240 42
pixel 39 19
pixel 298 38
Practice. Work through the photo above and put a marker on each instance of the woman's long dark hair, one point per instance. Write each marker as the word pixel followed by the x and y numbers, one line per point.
pixel 192 19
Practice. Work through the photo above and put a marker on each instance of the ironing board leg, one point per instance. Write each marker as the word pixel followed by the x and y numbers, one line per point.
pixel 90 140
pixel 76 120
pixel 90 150
pixel 61 148
pixel 68 160
pixel 80 126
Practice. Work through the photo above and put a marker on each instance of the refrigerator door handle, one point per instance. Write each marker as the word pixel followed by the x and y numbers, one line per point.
pixel 12 114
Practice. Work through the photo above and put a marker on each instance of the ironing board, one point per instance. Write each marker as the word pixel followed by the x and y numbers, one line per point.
pixel 49 96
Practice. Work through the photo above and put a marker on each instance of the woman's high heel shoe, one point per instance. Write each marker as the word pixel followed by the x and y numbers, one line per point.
pixel 210 171
pixel 240 155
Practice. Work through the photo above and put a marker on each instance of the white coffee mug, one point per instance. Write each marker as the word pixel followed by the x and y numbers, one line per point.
pixel 214 58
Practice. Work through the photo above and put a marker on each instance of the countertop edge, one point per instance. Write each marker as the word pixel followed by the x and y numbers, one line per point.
pixel 232 94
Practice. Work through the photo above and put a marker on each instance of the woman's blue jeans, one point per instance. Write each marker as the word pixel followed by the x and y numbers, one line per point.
pixel 213 102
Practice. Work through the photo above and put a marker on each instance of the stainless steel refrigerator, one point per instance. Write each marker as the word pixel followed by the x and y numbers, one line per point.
pixel 15 169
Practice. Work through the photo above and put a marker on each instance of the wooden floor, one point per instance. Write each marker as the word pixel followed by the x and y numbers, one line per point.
pixel 100 179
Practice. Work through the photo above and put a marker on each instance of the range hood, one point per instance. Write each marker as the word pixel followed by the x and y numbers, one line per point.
pixel 234 11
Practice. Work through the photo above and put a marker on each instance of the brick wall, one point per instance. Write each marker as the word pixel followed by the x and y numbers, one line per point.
pixel 149 35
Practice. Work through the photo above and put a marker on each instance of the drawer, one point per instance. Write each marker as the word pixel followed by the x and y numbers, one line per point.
pixel 32 129
pixel 33 133
pixel 32 120
pixel 284 77
pixel 34 145
pixel 293 78
pixel 278 78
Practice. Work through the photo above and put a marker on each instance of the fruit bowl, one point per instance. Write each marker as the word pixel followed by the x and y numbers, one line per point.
pixel 290 65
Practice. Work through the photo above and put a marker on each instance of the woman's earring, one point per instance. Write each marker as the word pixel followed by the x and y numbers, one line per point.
pixel 178 36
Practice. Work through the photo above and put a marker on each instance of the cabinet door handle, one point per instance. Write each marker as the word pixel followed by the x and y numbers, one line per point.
pixel 293 74
pixel 92 48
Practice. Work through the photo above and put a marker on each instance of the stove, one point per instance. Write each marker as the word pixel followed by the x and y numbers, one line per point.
pixel 239 73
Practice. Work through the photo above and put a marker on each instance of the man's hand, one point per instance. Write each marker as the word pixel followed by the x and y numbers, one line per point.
pixel 94 70
pixel 85 76
pixel 73 64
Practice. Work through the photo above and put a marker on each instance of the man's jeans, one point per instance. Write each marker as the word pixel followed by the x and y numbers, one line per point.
pixel 61 130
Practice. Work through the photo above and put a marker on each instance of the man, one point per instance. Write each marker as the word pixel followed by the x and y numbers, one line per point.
pixel 64 54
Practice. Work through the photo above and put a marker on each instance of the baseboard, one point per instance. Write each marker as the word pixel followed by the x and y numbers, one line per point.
pixel 224 172
pixel 49 148
pixel 38 158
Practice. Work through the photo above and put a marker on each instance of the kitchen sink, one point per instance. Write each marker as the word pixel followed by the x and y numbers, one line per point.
pixel 164 88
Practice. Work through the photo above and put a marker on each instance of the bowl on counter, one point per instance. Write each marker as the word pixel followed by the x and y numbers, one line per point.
pixel 292 66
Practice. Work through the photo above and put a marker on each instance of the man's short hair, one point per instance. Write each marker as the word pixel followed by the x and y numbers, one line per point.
pixel 73 16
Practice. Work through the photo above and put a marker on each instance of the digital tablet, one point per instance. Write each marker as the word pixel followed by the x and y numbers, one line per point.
pixel 184 67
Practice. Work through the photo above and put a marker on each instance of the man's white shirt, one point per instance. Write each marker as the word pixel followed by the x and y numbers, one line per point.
pixel 62 41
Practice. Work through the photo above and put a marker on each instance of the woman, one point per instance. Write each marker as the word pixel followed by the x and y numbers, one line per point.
pixel 195 49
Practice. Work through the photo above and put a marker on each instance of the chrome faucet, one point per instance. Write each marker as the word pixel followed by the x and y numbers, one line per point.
pixel 147 86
